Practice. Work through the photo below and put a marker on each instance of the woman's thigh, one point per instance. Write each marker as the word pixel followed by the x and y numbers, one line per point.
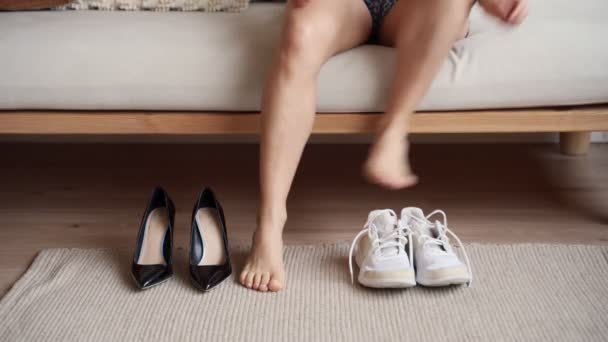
pixel 406 12
pixel 325 27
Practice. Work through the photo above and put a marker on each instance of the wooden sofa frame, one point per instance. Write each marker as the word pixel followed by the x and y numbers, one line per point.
pixel 574 124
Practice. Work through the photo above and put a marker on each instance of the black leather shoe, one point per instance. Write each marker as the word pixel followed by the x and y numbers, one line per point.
pixel 152 261
pixel 209 258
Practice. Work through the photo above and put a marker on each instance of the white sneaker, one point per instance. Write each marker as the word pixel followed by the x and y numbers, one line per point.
pixel 436 262
pixel 381 252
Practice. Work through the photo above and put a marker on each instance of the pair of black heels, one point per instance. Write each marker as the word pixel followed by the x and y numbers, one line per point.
pixel 209 257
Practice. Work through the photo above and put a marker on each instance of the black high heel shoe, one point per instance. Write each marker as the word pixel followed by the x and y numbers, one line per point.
pixel 152 260
pixel 209 257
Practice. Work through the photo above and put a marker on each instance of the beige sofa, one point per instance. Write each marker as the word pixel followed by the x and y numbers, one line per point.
pixel 148 73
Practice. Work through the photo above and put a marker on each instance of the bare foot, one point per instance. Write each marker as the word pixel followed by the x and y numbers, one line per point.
pixel 264 270
pixel 388 164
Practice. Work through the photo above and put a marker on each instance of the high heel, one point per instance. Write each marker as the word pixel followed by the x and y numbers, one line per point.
pixel 152 260
pixel 209 257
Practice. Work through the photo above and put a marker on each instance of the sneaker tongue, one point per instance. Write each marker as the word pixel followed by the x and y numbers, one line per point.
pixel 385 222
pixel 412 214
pixel 419 225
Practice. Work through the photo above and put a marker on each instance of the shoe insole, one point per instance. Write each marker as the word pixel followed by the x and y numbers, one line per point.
pixel 157 226
pixel 210 230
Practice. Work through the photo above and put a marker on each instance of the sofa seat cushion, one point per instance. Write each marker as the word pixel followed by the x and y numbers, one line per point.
pixel 218 61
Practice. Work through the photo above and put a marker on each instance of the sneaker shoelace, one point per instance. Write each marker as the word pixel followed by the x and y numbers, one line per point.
pixel 398 238
pixel 442 239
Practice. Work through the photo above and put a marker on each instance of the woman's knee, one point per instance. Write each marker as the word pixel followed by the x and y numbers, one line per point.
pixel 305 42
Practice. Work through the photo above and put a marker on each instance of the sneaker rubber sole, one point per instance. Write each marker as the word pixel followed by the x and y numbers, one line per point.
pixel 443 277
pixel 387 279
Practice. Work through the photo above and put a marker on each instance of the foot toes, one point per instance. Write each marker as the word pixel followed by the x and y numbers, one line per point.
pixel 411 180
pixel 249 279
pixel 256 281
pixel 397 182
pixel 264 264
pixel 405 182
pixel 265 279
pixel 243 277
pixel 275 285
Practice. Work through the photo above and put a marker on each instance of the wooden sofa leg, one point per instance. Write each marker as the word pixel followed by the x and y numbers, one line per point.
pixel 574 143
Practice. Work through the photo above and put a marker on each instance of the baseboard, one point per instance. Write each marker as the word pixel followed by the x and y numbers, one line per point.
pixel 597 137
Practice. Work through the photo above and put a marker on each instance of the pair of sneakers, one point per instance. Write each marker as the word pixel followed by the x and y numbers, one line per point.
pixel 400 252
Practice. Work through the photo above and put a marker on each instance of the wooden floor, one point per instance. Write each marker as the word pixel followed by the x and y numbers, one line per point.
pixel 92 195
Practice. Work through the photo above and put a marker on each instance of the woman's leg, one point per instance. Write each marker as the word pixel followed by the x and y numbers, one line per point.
pixel 422 31
pixel 314 30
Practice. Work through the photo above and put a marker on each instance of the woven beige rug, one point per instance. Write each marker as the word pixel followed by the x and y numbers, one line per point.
pixel 520 293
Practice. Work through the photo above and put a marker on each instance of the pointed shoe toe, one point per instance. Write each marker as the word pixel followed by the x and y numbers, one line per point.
pixel 147 276
pixel 206 278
